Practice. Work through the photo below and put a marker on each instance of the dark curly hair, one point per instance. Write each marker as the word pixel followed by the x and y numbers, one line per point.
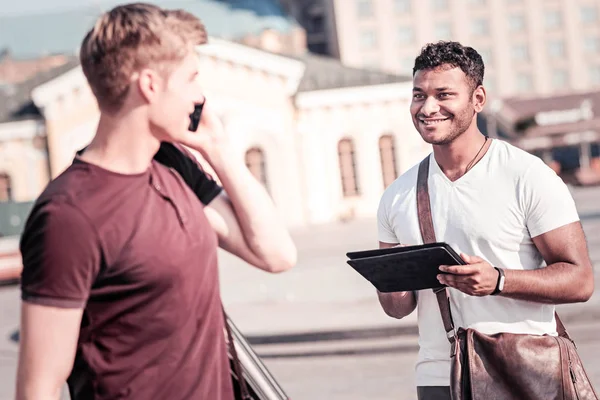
pixel 435 55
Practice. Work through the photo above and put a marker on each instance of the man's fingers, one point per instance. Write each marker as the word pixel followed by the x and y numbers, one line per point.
pixel 459 269
pixel 462 284
pixel 471 259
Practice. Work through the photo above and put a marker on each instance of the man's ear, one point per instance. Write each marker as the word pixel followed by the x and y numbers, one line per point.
pixel 479 98
pixel 149 84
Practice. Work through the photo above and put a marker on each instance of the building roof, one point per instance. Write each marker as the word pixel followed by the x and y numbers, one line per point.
pixel 547 115
pixel 321 73
pixel 34 35
pixel 324 72
pixel 15 99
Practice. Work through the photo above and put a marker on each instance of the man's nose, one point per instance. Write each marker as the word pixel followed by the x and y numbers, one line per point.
pixel 430 106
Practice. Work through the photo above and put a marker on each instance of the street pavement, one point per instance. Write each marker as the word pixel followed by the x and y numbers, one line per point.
pixel 319 327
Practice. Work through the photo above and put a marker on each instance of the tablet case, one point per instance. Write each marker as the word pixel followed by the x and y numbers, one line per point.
pixel 400 269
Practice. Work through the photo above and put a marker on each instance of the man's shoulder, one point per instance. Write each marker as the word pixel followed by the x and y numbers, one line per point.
pixel 402 186
pixel 513 161
pixel 70 185
pixel 407 180
pixel 75 190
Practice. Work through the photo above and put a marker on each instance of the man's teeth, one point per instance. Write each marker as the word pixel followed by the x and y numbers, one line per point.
pixel 432 122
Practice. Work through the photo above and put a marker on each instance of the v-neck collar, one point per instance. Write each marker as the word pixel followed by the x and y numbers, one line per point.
pixel 475 171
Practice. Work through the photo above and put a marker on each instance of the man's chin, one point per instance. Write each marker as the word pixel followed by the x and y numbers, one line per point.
pixel 435 137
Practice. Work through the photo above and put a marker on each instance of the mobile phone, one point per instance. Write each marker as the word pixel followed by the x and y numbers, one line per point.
pixel 195 117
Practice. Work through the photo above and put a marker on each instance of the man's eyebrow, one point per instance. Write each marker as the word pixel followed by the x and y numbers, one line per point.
pixel 440 89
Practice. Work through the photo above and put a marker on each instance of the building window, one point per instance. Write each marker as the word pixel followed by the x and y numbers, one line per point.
pixel 591 44
pixel 387 153
pixel 560 79
pixel 524 82
pixel 589 14
pixel 556 49
pixel 520 52
pixel 368 39
pixel 5 188
pixel 443 31
pixel 402 6
pixel 255 161
pixel 316 24
pixel 439 5
pixel 364 8
pixel 552 19
pixel 348 168
pixel 480 27
pixel 405 35
pixel 516 23
pixel 595 75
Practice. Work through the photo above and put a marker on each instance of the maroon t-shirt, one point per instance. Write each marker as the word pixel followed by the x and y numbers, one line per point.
pixel 137 253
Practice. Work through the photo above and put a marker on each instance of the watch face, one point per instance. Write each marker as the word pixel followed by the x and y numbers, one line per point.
pixel 501 284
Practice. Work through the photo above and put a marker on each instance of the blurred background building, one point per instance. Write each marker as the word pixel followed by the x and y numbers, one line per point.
pixel 315 92
pixel 323 137
pixel 529 46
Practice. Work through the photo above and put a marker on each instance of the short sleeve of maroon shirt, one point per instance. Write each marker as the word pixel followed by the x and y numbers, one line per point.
pixel 137 253
pixel 62 255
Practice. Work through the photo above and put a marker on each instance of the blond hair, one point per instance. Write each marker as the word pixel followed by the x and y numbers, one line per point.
pixel 131 37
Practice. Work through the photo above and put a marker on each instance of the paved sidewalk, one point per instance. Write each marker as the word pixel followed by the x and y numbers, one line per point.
pixel 323 293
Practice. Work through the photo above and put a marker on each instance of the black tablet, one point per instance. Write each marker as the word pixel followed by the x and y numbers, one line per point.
pixel 400 269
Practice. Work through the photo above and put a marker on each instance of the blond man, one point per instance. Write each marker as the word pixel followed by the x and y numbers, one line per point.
pixel 120 284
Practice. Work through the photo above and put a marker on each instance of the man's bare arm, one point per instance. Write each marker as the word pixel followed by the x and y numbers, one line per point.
pixel 48 342
pixel 246 219
pixel 567 278
pixel 399 304
pixel 250 228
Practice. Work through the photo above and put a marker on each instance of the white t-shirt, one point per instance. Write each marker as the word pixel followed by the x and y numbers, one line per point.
pixel 492 212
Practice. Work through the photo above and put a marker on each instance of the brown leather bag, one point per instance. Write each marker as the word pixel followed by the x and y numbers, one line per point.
pixel 504 366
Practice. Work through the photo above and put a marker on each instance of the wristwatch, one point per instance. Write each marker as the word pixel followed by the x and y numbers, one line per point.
pixel 500 284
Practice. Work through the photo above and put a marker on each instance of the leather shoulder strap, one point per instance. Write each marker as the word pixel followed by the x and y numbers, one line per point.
pixel 428 235
pixel 424 204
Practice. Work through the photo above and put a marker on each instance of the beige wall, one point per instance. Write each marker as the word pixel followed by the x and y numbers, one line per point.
pixel 505 74
pixel 326 117
pixel 298 134
pixel 257 111
pixel 254 103
pixel 71 123
pixel 23 157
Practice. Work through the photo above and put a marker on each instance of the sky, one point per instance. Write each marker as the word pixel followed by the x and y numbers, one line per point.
pixel 16 7
pixel 11 7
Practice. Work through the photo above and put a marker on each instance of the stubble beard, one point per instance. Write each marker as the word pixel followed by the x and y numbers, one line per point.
pixel 459 124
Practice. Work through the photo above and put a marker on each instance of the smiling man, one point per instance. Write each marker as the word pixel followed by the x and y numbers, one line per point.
pixel 509 215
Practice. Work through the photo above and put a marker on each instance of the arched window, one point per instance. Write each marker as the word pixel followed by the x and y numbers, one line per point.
pixel 387 153
pixel 5 187
pixel 350 186
pixel 255 161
